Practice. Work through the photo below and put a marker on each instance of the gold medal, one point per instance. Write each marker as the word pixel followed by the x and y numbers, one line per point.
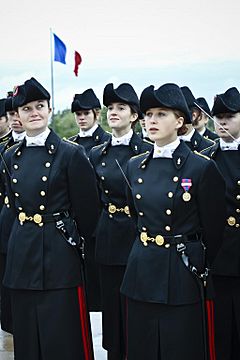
pixel 186 196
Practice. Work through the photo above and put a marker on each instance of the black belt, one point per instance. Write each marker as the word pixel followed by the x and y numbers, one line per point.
pixel 167 240
pixel 41 219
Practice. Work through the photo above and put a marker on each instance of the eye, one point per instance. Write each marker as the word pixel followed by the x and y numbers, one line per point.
pixel 39 106
pixel 25 108
pixel 86 113
pixel 110 107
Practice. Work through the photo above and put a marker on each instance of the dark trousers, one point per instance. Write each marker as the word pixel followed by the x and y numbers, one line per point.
pixel 114 311
pixel 164 332
pixel 227 317
pixel 5 299
pixel 48 325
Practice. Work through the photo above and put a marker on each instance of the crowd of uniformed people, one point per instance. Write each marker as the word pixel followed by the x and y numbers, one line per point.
pixel 142 227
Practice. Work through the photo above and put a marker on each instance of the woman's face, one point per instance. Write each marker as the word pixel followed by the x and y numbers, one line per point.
pixel 34 116
pixel 14 121
pixel 162 125
pixel 120 117
pixel 228 122
pixel 85 119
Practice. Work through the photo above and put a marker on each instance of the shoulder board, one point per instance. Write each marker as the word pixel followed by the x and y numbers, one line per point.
pixel 69 141
pixel 204 156
pixel 98 146
pixel 209 147
pixel 139 155
pixel 13 146
pixel 213 142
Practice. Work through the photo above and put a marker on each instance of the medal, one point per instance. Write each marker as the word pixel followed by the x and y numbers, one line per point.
pixel 186 184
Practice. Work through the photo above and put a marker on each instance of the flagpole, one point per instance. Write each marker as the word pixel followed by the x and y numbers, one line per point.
pixel 52 81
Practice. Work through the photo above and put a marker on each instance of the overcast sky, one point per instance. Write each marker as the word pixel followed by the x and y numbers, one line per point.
pixel 144 42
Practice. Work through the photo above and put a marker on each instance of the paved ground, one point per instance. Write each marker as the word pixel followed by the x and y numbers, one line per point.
pixel 6 345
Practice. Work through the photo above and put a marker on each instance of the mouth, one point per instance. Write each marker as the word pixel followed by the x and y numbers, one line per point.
pixel 153 130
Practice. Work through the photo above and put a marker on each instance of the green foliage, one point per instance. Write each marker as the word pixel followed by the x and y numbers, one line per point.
pixel 64 124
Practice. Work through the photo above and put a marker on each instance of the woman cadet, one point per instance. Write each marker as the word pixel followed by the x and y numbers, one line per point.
pixel 176 199
pixel 116 231
pixel 52 187
pixel 85 107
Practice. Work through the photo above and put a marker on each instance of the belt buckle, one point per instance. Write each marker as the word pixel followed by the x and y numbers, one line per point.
pixel 37 218
pixel 159 240
pixel 126 210
pixel 112 208
pixel 22 217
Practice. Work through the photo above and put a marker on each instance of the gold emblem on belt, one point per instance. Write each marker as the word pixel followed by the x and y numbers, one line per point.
pixel 112 209
pixel 231 221
pixel 158 239
pixel 36 218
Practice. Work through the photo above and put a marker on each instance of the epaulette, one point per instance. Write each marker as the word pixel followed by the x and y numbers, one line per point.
pixel 99 145
pixel 10 147
pixel 70 141
pixel 136 156
pixel 204 156
pixel 209 147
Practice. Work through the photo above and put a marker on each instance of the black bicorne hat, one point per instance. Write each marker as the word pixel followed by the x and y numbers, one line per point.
pixel 85 101
pixel 167 96
pixel 189 97
pixel 8 104
pixel 124 93
pixel 2 107
pixel 229 102
pixel 202 102
pixel 31 90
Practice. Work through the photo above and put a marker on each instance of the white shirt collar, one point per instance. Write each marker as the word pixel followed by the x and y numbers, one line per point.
pixel 229 145
pixel 165 151
pixel 89 132
pixel 144 133
pixel 202 131
pixel 38 140
pixel 188 136
pixel 18 136
pixel 123 140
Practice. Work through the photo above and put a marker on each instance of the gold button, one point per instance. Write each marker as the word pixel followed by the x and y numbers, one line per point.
pixel 47 164
pixel 143 228
pixel 18 153
pixel 0 194
pixel 175 179
pixel 237 225
pixel 102 178
pixel 170 194
pixel 238 210
pixel 50 152
pixel 8 206
pixel 141 213
pixel 168 212
pixel 167 228
pixel 106 191
pixel 42 193
pixel 44 178
pixel 238 182
pixel 238 197
pixel 138 196
pixel 4 171
pixel 167 246
pixel 16 194
pixel 14 181
pixel 110 215
pixel 15 166
pixel 103 164
pixel 41 207
pixel 20 208
pixel 140 181
pixel 143 166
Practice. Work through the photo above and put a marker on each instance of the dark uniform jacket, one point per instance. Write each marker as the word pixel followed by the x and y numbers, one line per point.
pixel 198 142
pixel 116 231
pixel 55 178
pixel 157 273
pixel 99 136
pixel 208 134
pixel 227 262
pixel 5 142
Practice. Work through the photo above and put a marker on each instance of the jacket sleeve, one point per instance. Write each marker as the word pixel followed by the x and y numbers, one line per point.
pixel 212 208
pixel 83 193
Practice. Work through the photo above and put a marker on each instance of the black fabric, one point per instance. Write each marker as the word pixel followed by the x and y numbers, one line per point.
pixel 46 325
pixel 5 300
pixel 198 142
pixel 114 310
pixel 167 95
pixel 228 102
pixel 162 332
pixel 123 93
pixel 201 101
pixel 2 107
pixel 208 134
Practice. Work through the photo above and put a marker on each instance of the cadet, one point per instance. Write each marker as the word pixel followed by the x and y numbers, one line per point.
pixel 7 217
pixel 226 153
pixel 176 199
pixel 5 131
pixel 116 231
pixel 90 132
pixel 85 106
pixel 193 139
pixel 51 187
pixel 200 122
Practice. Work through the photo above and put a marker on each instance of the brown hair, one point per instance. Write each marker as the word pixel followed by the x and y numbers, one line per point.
pixel 183 129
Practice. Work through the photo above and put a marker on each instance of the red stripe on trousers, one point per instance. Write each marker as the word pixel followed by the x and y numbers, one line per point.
pixel 211 335
pixel 84 325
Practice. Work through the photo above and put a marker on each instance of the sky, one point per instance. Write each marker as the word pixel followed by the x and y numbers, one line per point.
pixel 144 42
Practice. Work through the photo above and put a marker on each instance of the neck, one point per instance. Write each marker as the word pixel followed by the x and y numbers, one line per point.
pixel 120 132
pixel 34 133
pixel 189 129
pixel 165 142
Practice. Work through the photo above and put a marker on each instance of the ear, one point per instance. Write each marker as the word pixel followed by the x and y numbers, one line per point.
pixel 179 122
pixel 134 117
